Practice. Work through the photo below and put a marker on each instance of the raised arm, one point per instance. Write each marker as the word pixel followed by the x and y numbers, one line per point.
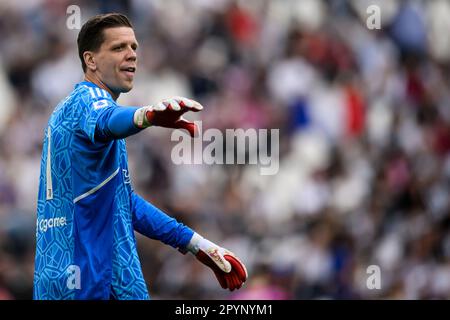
pixel 121 122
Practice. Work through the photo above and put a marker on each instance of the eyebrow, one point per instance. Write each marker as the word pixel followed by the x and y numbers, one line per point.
pixel 114 44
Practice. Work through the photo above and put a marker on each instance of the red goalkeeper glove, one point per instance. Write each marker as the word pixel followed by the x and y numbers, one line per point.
pixel 229 270
pixel 168 114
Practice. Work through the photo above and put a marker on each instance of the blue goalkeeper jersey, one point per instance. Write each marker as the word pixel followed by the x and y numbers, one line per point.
pixel 87 211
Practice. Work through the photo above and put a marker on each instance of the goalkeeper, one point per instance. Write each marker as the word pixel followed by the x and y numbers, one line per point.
pixel 87 211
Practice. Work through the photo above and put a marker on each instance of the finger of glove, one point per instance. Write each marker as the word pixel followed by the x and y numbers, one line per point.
pixel 230 281
pixel 221 278
pixel 237 266
pixel 233 280
pixel 189 104
pixel 189 126
pixel 237 281
pixel 172 104
pixel 160 106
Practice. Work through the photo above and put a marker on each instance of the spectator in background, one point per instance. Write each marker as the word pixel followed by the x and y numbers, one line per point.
pixel 363 118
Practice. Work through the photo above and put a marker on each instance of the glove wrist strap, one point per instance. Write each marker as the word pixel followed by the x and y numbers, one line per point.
pixel 140 118
pixel 194 245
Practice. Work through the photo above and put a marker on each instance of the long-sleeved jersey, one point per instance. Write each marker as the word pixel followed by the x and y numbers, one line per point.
pixel 87 211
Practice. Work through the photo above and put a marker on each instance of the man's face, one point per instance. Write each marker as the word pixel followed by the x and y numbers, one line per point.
pixel 116 59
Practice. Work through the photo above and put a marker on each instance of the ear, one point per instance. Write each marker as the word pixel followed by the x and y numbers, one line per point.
pixel 88 57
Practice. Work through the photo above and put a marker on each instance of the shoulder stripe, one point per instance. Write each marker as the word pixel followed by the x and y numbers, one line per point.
pixel 91 90
pixel 84 195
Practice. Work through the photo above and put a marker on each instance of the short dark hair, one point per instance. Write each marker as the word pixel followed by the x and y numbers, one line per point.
pixel 91 34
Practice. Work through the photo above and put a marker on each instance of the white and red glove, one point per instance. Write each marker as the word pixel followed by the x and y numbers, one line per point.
pixel 229 270
pixel 168 114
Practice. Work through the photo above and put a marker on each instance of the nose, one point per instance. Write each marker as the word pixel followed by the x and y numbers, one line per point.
pixel 131 55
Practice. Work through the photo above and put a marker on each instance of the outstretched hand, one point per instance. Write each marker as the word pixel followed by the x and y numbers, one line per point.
pixel 169 114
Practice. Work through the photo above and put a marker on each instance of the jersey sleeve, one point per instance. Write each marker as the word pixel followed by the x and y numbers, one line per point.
pixel 94 104
pixel 155 224
pixel 116 123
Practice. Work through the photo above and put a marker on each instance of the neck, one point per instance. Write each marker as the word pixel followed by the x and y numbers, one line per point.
pixel 99 83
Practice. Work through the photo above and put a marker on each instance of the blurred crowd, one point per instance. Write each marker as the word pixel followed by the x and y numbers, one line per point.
pixel 364 120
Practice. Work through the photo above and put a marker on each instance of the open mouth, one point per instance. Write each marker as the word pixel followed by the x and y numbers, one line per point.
pixel 129 71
